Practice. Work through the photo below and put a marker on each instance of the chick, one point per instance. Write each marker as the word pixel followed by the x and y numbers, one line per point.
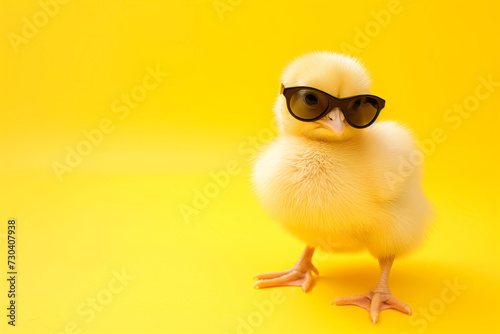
pixel 337 186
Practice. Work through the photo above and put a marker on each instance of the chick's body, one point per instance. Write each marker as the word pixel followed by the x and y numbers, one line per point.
pixel 346 196
pixel 338 185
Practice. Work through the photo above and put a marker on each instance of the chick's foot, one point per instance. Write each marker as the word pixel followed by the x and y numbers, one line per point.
pixel 299 275
pixel 379 298
pixel 374 302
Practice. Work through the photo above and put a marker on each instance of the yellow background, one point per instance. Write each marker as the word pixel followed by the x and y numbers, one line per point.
pixel 120 208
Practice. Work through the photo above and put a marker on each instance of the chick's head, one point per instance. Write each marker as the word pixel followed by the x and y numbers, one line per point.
pixel 336 74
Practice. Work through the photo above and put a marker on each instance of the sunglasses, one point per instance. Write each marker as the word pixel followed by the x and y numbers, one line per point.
pixel 309 104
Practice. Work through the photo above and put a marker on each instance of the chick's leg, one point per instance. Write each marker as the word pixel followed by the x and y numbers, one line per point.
pixel 299 275
pixel 379 298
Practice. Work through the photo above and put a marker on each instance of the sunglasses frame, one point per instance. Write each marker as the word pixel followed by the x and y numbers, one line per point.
pixel 343 103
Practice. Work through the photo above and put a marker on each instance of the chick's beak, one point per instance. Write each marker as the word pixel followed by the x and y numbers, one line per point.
pixel 334 120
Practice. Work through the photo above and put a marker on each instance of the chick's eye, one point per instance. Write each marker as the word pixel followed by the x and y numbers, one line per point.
pixel 310 99
pixel 356 105
pixel 307 103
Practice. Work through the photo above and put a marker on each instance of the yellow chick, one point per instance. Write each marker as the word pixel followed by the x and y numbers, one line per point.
pixel 335 180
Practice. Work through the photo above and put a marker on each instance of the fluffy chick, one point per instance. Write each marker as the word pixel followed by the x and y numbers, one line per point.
pixel 342 191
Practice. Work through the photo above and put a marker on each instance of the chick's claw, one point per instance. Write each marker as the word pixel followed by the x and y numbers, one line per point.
pixel 374 302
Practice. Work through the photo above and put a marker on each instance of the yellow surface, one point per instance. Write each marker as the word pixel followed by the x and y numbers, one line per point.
pixel 119 208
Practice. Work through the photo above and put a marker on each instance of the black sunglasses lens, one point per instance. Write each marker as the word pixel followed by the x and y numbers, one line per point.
pixel 362 111
pixel 308 103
